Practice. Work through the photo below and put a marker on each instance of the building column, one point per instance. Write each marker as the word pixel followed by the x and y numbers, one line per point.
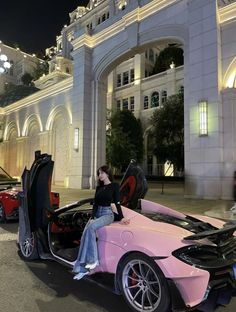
pixel 203 154
pixel 84 107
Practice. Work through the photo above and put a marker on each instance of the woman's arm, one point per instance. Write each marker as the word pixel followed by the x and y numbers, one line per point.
pixel 118 207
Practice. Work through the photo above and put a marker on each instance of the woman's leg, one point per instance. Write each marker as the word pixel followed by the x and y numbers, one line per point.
pixel 88 249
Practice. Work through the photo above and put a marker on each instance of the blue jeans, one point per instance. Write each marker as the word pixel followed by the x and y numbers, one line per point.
pixel 88 252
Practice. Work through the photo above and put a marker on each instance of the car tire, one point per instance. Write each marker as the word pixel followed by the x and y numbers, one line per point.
pixel 29 247
pixel 143 285
pixel 2 214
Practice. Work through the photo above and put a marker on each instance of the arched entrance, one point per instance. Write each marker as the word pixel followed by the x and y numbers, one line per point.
pixel 60 148
pixel 131 85
pixel 11 161
pixel 33 142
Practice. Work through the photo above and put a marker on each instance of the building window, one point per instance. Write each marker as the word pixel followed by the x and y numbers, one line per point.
pixel 108 14
pixel 125 104
pixel 151 55
pixel 125 78
pixel 104 17
pixel 90 26
pixel 132 75
pixel 99 21
pixel 118 104
pixel 132 103
pixel 181 89
pixel 145 102
pixel 155 99
pixel 163 97
pixel 118 80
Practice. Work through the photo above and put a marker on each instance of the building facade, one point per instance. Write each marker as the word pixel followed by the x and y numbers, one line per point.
pixel 106 55
pixel 21 63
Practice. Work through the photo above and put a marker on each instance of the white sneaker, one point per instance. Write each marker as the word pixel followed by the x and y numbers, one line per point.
pixel 91 266
pixel 80 275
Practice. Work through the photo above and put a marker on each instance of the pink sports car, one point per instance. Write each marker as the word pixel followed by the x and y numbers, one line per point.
pixel 163 260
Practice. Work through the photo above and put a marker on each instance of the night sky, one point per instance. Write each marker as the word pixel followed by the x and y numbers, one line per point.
pixel 33 25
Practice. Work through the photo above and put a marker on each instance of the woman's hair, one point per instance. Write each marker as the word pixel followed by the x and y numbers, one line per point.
pixel 107 170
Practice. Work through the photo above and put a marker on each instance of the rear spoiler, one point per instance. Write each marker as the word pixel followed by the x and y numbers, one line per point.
pixel 216 236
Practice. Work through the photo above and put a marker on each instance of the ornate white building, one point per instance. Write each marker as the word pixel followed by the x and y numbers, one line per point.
pixel 101 59
pixel 21 63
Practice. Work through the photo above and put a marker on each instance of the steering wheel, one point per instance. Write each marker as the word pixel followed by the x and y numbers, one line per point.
pixel 78 220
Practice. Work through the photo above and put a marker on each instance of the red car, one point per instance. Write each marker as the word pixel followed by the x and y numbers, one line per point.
pixel 9 197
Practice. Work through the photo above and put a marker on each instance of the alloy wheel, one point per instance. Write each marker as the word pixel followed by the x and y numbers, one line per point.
pixel 141 285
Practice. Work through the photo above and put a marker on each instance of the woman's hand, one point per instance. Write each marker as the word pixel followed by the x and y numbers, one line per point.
pixel 125 221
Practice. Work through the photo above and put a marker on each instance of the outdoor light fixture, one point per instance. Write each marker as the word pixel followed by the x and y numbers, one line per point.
pixel 76 139
pixel 203 118
pixel 172 65
pixel 122 4
pixel 4 63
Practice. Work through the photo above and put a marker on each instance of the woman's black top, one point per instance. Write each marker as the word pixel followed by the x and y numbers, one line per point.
pixel 105 195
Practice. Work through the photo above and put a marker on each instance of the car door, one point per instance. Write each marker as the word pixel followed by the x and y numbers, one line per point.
pixel 35 196
pixel 133 186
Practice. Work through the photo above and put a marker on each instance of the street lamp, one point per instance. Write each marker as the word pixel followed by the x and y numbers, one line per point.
pixel 4 63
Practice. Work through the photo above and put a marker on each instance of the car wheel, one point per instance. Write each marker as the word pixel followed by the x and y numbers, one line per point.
pixel 2 213
pixel 29 247
pixel 143 285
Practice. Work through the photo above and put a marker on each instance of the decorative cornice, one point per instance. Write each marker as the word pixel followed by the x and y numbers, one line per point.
pixel 40 95
pixel 228 13
pixel 138 14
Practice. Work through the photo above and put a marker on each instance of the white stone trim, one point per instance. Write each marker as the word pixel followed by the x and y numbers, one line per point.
pixel 40 95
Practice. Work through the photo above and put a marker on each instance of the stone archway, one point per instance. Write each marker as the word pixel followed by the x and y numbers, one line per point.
pixel 60 134
pixel 11 161
pixel 33 142
pixel 115 56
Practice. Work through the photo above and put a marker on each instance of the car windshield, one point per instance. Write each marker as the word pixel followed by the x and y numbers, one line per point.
pixel 4 176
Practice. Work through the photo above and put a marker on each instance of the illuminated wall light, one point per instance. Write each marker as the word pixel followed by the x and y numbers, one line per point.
pixel 203 118
pixel 76 139
pixel 172 65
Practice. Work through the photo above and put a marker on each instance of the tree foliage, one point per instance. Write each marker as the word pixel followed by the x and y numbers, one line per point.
pixel 124 140
pixel 168 131
pixel 41 68
pixel 27 79
pixel 166 57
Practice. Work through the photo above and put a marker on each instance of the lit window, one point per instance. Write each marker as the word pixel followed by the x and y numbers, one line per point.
pixel 155 99
pixel 132 75
pixel 163 96
pixel 145 102
pixel 132 103
pixel 118 80
pixel 125 104
pixel 125 78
